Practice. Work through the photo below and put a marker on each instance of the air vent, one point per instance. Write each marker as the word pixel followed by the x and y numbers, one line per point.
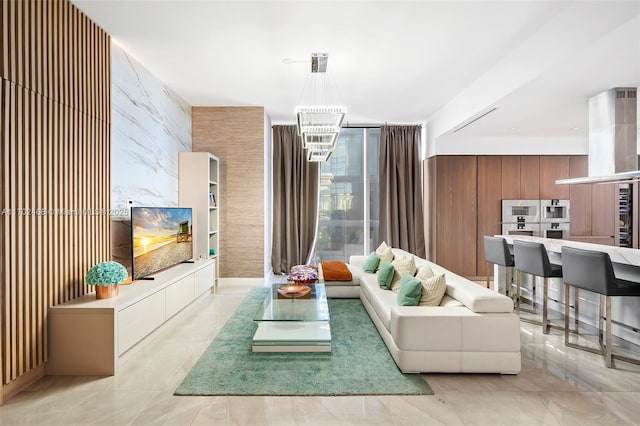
pixel 474 120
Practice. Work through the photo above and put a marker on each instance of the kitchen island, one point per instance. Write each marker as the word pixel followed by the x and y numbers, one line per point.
pixel 626 265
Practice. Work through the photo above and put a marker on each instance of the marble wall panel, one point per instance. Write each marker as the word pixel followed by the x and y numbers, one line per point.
pixel 151 124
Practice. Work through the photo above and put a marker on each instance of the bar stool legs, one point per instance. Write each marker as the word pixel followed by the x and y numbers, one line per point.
pixel 604 333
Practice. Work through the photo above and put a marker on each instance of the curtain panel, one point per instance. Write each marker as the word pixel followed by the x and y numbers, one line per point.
pixel 295 200
pixel 401 215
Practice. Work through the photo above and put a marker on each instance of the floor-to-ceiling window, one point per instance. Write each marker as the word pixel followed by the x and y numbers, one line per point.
pixel 348 211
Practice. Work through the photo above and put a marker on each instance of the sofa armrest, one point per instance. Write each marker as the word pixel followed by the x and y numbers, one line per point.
pixel 357 260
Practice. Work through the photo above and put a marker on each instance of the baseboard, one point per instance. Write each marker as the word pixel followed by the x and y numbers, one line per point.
pixel 27 379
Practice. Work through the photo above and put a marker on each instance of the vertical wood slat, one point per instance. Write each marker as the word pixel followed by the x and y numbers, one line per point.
pixel 55 158
pixel 5 108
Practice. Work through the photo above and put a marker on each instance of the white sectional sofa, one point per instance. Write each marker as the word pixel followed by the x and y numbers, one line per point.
pixel 474 330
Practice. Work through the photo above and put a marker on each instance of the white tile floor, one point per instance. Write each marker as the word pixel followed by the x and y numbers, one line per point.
pixel 557 385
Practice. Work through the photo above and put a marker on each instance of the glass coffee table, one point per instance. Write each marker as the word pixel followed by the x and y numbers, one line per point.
pixel 295 322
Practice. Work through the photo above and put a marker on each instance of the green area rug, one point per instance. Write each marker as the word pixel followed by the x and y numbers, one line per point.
pixel 359 363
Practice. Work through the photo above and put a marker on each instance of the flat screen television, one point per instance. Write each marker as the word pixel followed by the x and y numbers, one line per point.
pixel 160 237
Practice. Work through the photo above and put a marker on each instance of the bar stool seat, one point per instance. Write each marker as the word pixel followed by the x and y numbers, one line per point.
pixel 593 271
pixel 532 258
pixel 496 251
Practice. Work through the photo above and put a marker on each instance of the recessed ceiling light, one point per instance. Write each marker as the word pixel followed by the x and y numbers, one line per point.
pixel 575 129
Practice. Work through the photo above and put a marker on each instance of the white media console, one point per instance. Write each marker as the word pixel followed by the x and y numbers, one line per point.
pixel 90 337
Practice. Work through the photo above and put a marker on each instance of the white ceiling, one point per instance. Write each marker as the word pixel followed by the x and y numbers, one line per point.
pixel 537 61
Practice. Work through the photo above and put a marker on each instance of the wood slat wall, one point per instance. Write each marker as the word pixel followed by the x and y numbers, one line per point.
pixel 55 177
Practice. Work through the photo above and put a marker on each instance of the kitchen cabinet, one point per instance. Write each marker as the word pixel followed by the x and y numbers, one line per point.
pixel 510 177
pixel 489 205
pixel 553 167
pixel 593 206
pixel 454 227
pixel 529 177
pixel 580 199
pixel 463 202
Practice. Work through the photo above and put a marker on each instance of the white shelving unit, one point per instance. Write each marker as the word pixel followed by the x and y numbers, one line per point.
pixel 199 188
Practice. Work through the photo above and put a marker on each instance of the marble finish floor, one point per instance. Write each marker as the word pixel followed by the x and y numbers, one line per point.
pixel 557 385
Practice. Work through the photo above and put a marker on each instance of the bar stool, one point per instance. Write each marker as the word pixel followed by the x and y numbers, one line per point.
pixel 593 271
pixel 496 251
pixel 532 258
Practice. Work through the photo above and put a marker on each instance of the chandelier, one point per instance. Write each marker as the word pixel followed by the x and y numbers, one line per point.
pixel 318 122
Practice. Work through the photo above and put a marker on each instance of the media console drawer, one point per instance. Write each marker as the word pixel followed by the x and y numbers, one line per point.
pixel 89 336
pixel 138 320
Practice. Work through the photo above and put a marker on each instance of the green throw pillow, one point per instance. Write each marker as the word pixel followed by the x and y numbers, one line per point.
pixel 371 264
pixel 410 290
pixel 385 274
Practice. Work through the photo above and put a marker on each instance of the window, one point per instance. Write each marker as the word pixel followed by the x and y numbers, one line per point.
pixel 349 196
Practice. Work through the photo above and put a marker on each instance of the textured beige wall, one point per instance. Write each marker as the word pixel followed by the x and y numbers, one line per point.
pixel 236 136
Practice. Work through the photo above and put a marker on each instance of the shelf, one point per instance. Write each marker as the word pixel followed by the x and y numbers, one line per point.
pixel 213 232
pixel 213 207
pixel 212 182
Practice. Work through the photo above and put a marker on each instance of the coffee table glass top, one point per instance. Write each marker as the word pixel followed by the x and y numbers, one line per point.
pixel 312 308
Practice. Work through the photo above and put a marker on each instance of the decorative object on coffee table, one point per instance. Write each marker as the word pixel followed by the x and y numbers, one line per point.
pixel 106 276
pixel 303 274
pixel 295 291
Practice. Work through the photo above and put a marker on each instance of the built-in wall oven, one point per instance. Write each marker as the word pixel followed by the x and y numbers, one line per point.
pixel 554 222
pixel 558 230
pixel 521 217
pixel 554 210
pixel 519 211
pixel 522 228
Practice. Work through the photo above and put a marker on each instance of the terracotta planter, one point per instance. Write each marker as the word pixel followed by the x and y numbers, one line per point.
pixel 106 291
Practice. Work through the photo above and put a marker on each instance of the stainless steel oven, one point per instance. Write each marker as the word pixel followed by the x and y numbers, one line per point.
pixel 557 230
pixel 522 228
pixel 520 211
pixel 554 210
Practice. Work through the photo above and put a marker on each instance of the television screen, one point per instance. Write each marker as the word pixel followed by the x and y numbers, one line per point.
pixel 161 237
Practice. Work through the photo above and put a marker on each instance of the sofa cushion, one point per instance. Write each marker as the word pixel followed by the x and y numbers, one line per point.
pixel 410 290
pixel 402 265
pixel 433 289
pixel 380 300
pixel 474 296
pixel 450 301
pixel 385 274
pixel 356 274
pixel 424 272
pixel 384 252
pixel 372 262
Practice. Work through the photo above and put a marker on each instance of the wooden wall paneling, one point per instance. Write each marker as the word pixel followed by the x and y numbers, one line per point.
pixel 5 107
pixel 530 177
pixel 554 167
pixel 457 213
pixel 489 205
pixel 55 100
pixel 579 198
pixel 604 208
pixel 429 203
pixel 510 187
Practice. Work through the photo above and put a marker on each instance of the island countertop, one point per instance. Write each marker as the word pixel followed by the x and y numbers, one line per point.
pixel 626 261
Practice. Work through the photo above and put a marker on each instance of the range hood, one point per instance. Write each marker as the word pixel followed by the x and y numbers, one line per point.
pixel 613 140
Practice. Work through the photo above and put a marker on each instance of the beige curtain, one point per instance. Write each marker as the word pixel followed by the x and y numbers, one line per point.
pixel 401 217
pixel 295 200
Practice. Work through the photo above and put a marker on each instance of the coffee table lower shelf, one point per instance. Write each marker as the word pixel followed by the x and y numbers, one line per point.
pixel 287 336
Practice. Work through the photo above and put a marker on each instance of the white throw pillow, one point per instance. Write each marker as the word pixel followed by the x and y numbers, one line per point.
pixel 384 252
pixel 424 273
pixel 403 264
pixel 433 290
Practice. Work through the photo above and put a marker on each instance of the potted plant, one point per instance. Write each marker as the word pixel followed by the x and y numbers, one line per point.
pixel 106 276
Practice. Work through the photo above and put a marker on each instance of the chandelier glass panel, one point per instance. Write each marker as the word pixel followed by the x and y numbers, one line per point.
pixel 319 119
